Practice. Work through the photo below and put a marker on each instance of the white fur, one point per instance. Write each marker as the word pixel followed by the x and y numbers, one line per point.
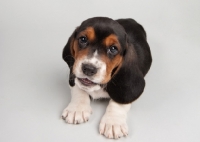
pixel 78 110
pixel 113 123
pixel 95 92
pixel 101 93
pixel 95 53
pixel 96 62
pixel 87 88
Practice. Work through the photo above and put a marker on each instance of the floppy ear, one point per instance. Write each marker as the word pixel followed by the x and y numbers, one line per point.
pixel 128 83
pixel 68 56
pixel 68 52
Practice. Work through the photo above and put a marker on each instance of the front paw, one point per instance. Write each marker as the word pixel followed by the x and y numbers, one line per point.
pixel 76 114
pixel 113 126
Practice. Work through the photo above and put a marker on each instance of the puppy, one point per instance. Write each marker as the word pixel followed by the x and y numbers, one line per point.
pixel 107 59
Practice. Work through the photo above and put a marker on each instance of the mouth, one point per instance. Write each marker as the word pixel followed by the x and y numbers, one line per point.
pixel 86 82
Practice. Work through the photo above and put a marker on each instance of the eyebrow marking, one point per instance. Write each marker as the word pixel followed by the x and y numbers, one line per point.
pixel 111 40
pixel 89 32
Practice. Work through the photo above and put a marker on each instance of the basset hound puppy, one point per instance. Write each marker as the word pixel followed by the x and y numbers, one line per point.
pixel 107 59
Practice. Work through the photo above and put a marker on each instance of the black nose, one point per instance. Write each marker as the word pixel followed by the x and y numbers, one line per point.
pixel 89 69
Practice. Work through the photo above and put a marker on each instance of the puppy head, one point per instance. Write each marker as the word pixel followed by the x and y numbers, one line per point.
pixel 97 46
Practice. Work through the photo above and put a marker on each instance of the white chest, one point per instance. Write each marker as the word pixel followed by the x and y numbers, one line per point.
pixel 99 94
pixel 96 92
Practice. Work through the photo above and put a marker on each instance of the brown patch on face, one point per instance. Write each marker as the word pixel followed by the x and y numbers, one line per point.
pixel 110 66
pixel 73 47
pixel 79 55
pixel 111 40
pixel 76 51
pixel 89 33
pixel 82 53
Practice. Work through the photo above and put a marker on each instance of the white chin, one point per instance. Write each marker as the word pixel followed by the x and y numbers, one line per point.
pixel 87 88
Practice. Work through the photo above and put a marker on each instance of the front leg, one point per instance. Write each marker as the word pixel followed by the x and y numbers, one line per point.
pixel 78 110
pixel 113 123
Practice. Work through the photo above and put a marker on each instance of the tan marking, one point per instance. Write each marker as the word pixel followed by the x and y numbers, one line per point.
pixel 76 52
pixel 110 65
pixel 89 33
pixel 82 53
pixel 111 40
pixel 79 56
pixel 74 49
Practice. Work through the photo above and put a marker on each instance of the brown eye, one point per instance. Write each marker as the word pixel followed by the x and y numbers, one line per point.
pixel 83 40
pixel 112 50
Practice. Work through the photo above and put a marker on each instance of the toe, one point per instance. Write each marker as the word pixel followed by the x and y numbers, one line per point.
pixel 101 128
pixel 124 129
pixel 117 133
pixel 70 118
pixel 78 117
pixel 64 114
pixel 108 131
pixel 86 116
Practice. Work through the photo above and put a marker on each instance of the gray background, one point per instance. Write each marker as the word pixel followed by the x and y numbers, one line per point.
pixel 34 78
